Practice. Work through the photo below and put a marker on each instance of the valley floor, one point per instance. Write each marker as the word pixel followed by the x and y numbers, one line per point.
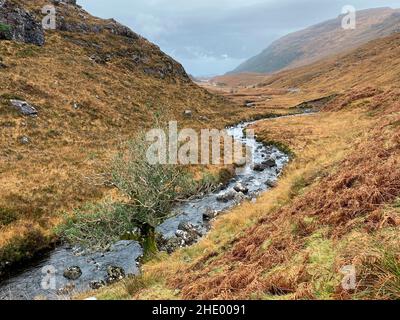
pixel 336 206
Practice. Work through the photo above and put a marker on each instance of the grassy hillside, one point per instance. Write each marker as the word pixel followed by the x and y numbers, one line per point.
pixel 94 83
pixel 322 40
pixel 336 205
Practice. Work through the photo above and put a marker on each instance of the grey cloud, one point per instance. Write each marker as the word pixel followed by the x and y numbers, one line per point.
pixel 213 36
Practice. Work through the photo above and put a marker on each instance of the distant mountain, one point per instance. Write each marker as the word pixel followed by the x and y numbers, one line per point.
pixel 321 40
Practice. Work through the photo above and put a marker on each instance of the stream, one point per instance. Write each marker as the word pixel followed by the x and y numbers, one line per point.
pixel 44 279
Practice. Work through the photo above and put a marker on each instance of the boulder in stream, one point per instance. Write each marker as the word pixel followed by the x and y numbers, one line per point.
pixel 97 284
pixel 114 274
pixel 241 188
pixel 72 273
pixel 227 196
pixel 271 183
pixel 209 215
pixel 188 233
pixel 267 164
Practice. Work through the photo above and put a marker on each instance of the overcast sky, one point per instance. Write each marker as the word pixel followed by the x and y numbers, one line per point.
pixel 214 36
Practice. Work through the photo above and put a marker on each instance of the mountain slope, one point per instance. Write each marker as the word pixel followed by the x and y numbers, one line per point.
pixel 324 39
pixel 93 83
pixel 336 208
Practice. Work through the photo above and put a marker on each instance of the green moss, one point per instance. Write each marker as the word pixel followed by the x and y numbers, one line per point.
pixel 281 147
pixel 320 265
pixel 298 186
pixel 24 248
pixel 7 216
pixel 4 29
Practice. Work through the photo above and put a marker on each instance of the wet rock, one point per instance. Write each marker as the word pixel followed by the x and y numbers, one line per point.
pixel 73 273
pixel 268 164
pixel 241 188
pixel 209 215
pixel 24 107
pixel 271 183
pixel 171 245
pixel 19 24
pixel 114 274
pixel 259 167
pixel 66 290
pixel 188 233
pixel 97 284
pixel 227 196
pixel 240 163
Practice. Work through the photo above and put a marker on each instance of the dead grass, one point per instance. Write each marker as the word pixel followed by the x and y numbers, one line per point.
pixel 86 110
pixel 336 205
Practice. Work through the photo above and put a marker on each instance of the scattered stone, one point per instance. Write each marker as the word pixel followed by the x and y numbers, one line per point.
pixel 24 140
pixel 24 107
pixel 240 188
pixel 96 285
pixel 271 183
pixel 188 113
pixel 73 273
pixel 249 103
pixel 68 289
pixel 114 274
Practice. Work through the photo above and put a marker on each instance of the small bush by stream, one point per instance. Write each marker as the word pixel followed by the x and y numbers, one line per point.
pixel 150 190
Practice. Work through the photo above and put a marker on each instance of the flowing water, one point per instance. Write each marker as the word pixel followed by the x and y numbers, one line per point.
pixel 45 279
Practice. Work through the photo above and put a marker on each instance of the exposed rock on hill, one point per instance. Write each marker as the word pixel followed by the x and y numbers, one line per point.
pixel 18 24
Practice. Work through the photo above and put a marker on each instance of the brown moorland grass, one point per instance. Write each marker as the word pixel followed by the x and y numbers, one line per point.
pixel 261 250
pixel 91 96
pixel 337 203
pixel 338 217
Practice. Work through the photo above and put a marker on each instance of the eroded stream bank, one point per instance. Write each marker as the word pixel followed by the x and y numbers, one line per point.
pixel 47 278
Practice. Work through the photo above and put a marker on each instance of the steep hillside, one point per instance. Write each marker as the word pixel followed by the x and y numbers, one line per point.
pixel 88 86
pixel 324 39
pixel 336 208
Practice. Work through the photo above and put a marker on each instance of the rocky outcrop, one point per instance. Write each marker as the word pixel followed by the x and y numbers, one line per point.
pixel 19 25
